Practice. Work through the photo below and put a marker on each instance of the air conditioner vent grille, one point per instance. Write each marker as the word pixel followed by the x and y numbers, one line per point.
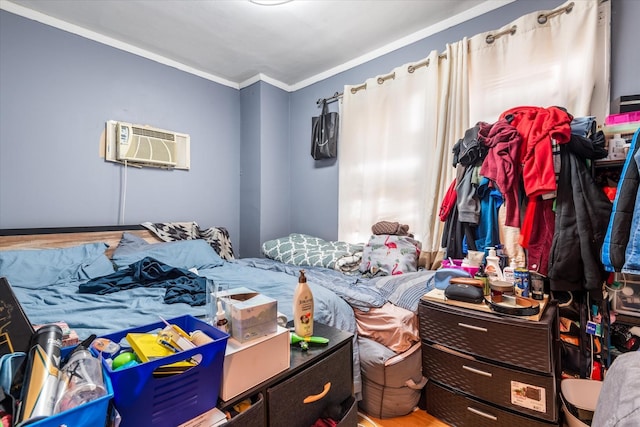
pixel 142 145
pixel 153 133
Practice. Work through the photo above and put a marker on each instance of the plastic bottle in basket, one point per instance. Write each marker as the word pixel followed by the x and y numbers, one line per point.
pixel 81 381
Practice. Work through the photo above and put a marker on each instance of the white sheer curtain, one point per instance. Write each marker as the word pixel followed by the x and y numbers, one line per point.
pixel 395 146
pixel 563 60
pixel 396 136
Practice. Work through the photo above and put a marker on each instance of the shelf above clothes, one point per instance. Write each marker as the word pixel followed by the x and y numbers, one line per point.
pixel 606 163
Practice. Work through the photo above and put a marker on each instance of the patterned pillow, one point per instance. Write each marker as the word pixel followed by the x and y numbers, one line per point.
pixel 302 249
pixel 386 254
pixel 217 237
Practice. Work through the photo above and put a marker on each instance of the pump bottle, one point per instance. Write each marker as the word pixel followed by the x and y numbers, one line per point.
pixel 303 308
pixel 492 267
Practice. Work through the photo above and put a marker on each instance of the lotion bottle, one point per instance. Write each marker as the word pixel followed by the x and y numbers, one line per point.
pixel 303 308
pixel 493 266
pixel 508 272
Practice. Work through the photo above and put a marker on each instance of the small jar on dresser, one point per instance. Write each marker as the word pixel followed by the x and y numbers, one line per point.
pixel 486 369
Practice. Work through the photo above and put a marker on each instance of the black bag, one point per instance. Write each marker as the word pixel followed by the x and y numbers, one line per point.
pixel 324 134
pixel 465 293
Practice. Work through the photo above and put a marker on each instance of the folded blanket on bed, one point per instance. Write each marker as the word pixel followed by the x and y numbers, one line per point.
pixel 303 250
pixel 405 290
pixel 181 285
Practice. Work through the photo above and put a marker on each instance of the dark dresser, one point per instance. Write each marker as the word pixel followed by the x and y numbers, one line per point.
pixel 318 383
pixel 486 369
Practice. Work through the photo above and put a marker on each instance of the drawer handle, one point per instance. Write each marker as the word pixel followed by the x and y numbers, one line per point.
pixel 477 371
pixel 316 397
pixel 482 414
pixel 475 328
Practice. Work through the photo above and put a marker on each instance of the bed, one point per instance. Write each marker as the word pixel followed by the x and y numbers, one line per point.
pixel 68 275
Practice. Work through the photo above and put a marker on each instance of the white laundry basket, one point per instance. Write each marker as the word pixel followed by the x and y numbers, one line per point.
pixel 579 399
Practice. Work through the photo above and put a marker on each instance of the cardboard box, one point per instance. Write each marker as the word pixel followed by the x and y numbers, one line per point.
pixel 252 315
pixel 250 363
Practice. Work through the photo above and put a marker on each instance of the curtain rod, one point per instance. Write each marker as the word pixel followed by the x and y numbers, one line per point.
pixel 411 68
pixel 542 19
pixel 330 99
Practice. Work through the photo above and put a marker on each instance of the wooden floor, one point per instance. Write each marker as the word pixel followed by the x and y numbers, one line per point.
pixel 418 418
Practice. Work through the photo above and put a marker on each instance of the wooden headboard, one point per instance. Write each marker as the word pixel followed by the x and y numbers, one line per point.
pixel 62 237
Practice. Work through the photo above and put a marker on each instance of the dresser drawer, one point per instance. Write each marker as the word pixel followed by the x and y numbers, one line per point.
pixel 350 418
pixel 463 411
pixel 325 385
pixel 518 342
pixel 254 416
pixel 525 392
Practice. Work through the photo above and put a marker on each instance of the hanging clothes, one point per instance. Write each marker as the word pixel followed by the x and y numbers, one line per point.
pixel 542 217
pixel 502 164
pixel 487 233
pixel 632 254
pixel 620 233
pixel 582 213
pixel 448 202
pixel 539 127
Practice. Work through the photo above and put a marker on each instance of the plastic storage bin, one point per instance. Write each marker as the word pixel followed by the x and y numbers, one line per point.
pixel 579 399
pixel 145 400
pixel 93 413
pixel 457 263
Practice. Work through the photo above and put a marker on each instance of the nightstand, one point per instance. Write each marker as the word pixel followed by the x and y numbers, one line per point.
pixel 317 379
pixel 487 369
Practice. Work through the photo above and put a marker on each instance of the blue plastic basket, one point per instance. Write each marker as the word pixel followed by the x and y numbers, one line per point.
pixel 89 414
pixel 145 400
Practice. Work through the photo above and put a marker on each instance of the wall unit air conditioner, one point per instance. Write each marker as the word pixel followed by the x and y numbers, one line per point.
pixel 146 146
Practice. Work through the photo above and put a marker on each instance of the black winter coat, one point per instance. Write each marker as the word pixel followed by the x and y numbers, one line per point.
pixel 582 216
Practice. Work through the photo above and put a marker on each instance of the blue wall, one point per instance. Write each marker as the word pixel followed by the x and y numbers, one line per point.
pixel 58 89
pixel 250 166
pixel 264 166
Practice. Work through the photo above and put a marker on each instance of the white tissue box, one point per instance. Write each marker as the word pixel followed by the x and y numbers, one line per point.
pixel 245 365
pixel 252 315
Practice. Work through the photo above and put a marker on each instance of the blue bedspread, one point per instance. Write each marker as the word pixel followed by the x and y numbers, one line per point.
pixel 335 296
pixel 356 290
pixel 104 314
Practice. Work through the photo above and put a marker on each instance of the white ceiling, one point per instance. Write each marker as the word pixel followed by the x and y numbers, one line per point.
pixel 236 42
